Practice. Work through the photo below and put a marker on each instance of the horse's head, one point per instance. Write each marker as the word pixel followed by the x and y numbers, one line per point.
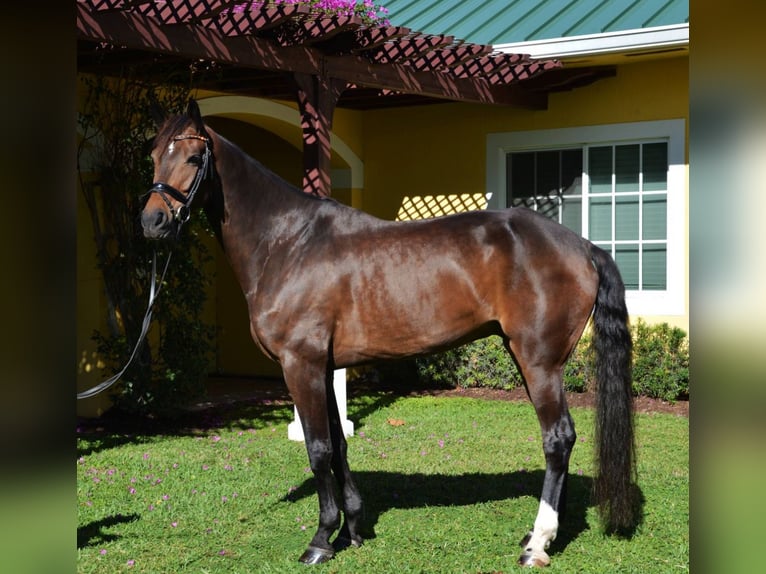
pixel 183 159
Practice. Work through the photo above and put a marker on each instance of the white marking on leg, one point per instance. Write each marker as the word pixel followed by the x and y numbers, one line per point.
pixel 546 528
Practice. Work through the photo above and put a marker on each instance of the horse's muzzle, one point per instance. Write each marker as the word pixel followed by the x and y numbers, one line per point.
pixel 157 224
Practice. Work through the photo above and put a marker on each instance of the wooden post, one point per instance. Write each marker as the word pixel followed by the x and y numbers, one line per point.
pixel 317 96
pixel 295 430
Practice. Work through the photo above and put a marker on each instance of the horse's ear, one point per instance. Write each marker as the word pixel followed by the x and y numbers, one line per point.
pixel 193 112
pixel 156 111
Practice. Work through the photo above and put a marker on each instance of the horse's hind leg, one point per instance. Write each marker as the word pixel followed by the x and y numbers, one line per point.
pixel 545 389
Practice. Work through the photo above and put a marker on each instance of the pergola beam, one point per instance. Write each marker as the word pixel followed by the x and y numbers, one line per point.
pixel 131 29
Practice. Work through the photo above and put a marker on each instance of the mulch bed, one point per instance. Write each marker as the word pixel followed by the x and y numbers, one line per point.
pixel 234 389
pixel 642 404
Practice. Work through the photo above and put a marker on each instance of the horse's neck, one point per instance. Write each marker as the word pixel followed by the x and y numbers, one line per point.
pixel 253 204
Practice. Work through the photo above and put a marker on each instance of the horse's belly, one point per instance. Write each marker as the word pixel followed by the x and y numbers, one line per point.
pixel 371 334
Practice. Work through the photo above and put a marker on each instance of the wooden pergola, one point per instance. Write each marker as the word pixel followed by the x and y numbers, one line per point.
pixel 283 51
pixel 286 52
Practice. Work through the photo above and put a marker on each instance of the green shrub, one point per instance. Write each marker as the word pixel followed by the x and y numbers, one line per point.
pixel 578 370
pixel 483 363
pixel 660 364
pixel 660 361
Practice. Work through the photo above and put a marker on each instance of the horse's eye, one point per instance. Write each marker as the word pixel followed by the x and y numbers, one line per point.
pixel 195 160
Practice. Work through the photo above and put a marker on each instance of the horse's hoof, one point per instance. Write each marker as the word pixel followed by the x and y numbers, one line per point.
pixel 314 555
pixel 534 558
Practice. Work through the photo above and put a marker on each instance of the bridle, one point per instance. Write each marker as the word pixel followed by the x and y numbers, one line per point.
pixel 181 215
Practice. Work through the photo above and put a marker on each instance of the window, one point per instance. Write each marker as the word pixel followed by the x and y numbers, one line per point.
pixel 614 195
pixel 620 186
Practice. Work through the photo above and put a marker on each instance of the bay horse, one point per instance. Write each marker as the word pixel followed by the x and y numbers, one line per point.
pixel 328 286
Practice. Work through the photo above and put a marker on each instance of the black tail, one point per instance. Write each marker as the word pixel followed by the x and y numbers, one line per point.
pixel 615 491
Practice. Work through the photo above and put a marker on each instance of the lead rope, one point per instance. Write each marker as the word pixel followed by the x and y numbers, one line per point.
pixel 154 291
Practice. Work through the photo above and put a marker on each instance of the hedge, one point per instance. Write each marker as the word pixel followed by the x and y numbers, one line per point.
pixel 660 365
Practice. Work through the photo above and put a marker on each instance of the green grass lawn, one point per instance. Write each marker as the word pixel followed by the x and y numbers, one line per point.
pixel 452 489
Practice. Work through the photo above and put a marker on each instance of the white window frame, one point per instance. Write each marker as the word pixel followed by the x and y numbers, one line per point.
pixel 668 302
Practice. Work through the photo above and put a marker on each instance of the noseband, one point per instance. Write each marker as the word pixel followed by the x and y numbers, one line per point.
pixel 164 190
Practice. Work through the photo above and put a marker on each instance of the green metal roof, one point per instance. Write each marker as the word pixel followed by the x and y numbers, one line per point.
pixel 510 21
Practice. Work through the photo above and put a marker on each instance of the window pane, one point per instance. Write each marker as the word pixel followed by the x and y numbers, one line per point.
pixel 627 167
pixel 655 216
pixel 571 171
pixel 547 173
pixel 571 214
pixel 626 257
pixel 600 219
pixel 655 267
pixel 626 217
pixel 521 167
pixel 655 167
pixel 600 169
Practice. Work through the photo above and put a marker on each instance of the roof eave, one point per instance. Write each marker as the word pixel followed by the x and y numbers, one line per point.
pixel 624 41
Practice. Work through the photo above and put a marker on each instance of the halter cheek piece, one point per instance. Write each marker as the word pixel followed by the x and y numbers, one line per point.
pixel 164 190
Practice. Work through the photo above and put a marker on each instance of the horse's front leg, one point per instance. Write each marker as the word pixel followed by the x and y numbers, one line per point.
pixel 307 382
pixel 352 500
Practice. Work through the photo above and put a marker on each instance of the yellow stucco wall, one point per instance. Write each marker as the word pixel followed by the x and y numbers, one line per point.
pixel 435 151
pixel 440 149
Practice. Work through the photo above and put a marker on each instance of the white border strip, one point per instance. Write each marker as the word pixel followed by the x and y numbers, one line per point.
pixel 607 43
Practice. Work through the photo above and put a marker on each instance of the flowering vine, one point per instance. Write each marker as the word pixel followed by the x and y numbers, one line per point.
pixel 369 12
